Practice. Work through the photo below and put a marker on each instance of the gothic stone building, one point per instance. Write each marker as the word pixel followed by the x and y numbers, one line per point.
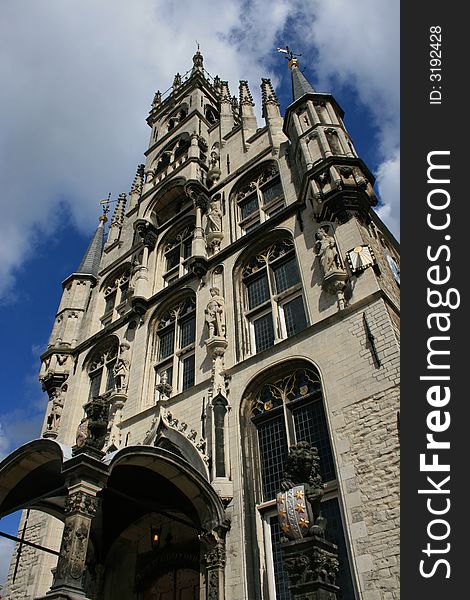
pixel 245 299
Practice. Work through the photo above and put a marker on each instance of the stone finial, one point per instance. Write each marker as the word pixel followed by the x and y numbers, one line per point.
pixel 246 99
pixel 225 92
pixel 118 216
pixel 157 99
pixel 268 94
pixel 217 84
pixel 177 82
pixel 198 62
pixel 138 182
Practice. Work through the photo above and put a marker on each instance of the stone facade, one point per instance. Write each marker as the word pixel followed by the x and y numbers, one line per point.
pixel 173 311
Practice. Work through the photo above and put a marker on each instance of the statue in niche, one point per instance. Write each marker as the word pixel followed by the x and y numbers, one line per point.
pixel 121 368
pixel 215 314
pixel 58 399
pixel 214 160
pixel 214 217
pixel 327 251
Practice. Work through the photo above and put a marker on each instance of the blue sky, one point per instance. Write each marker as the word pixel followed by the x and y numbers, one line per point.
pixel 80 76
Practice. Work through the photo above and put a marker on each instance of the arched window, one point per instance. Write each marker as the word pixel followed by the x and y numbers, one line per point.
pixel 274 304
pixel 211 114
pixel 174 345
pixel 116 291
pixel 176 252
pixel 259 198
pixel 101 369
pixel 284 410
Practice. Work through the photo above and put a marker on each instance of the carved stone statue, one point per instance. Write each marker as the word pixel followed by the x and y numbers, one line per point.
pixel 303 470
pixel 82 433
pixel 121 368
pixel 215 314
pixel 214 216
pixel 325 247
pixel 58 398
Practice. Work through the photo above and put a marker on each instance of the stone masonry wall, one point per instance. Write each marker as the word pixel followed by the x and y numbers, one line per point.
pixel 370 460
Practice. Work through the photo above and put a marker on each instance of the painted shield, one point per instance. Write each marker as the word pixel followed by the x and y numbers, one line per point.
pixel 292 510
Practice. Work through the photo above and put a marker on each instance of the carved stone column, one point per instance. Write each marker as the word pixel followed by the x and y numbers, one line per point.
pixel 214 559
pixel 80 508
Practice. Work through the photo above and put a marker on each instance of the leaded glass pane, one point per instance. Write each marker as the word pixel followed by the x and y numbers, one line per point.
pixel 110 300
pixel 248 206
pixel 95 383
pixel 187 332
pixel 124 291
pixel 187 247
pixel 167 343
pixel 172 258
pixel 310 426
pixel 294 316
pixel 273 454
pixel 272 192
pixel 280 576
pixel 286 275
pixel 110 376
pixel 258 291
pixel 188 372
pixel 264 332
pixel 334 533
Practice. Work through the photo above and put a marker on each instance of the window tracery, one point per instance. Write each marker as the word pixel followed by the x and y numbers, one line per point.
pixel 115 295
pixel 174 348
pixel 176 252
pixel 274 304
pixel 101 369
pixel 284 410
pixel 260 198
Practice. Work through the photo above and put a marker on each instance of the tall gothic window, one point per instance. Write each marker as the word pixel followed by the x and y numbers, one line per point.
pixel 174 347
pixel 287 410
pixel 116 292
pixel 101 369
pixel 274 304
pixel 260 198
pixel 176 253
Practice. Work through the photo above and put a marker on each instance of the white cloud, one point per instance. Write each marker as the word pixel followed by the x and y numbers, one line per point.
pixel 79 77
pixel 388 184
pixel 4 443
pixel 6 550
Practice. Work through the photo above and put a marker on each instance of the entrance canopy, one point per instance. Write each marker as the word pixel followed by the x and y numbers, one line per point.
pixel 146 478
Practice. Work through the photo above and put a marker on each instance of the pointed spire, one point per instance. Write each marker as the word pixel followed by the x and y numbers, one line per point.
pixel 91 260
pixel 268 95
pixel 300 84
pixel 246 99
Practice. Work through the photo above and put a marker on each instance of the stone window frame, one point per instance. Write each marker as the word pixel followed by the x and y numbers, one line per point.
pixel 252 189
pixel 100 364
pixel 179 237
pixel 118 285
pixel 266 508
pixel 276 301
pixel 171 318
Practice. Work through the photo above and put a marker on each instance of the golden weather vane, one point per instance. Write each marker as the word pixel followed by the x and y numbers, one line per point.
pixel 291 56
pixel 105 204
